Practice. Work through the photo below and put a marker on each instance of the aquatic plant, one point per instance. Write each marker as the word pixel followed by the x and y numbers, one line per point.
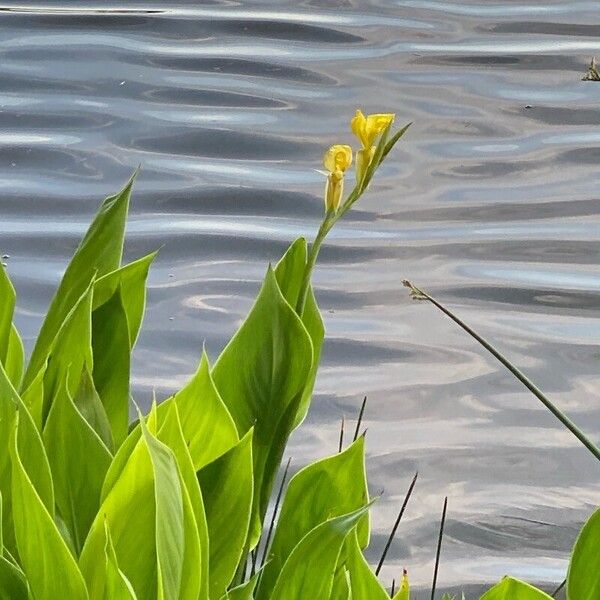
pixel 174 505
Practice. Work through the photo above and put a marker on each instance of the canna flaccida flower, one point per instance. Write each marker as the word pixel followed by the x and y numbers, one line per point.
pixel 367 129
pixel 336 160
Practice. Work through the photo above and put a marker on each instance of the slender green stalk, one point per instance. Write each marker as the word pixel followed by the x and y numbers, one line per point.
pixel 566 421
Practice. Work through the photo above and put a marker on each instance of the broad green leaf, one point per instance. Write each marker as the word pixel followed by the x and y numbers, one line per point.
pixel 90 406
pixel 7 307
pixel 195 576
pixel 111 351
pixel 13 585
pixel 34 456
pixel 244 591
pixel 261 376
pixel 15 358
pixel 131 279
pixel 79 461
pixel 365 585
pixel 47 563
pixel 340 590
pixel 513 589
pixel 310 568
pixel 289 272
pixel 71 350
pixel 99 253
pixel 583 579
pixel 207 425
pixel 227 489
pixel 144 510
pixel 117 586
pixel 327 488
pixel 33 397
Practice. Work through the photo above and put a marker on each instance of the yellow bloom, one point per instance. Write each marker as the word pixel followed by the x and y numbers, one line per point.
pixel 336 160
pixel 404 591
pixel 366 129
pixel 363 160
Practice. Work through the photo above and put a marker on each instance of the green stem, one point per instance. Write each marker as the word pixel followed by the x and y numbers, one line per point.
pixel 570 425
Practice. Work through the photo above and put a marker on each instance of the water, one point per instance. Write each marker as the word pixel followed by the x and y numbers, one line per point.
pixel 490 203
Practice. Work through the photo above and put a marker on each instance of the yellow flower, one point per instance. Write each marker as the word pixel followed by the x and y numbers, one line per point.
pixel 336 160
pixel 404 591
pixel 366 129
pixel 363 160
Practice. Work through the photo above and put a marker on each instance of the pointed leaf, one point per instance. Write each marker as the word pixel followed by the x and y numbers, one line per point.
pixel 327 488
pixel 98 253
pixel 117 585
pixel 583 580
pixel 13 585
pixel 33 397
pixel 71 350
pixel 227 490
pixel 90 406
pixel 47 562
pixel 79 461
pixel 289 272
pixel 144 510
pixel 132 280
pixel 244 591
pixel 365 585
pixel 513 589
pixel 7 307
pixel 310 568
pixel 111 350
pixel 261 375
pixel 15 357
pixel 207 425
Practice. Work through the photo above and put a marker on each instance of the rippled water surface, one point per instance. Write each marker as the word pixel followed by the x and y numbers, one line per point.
pixel 491 203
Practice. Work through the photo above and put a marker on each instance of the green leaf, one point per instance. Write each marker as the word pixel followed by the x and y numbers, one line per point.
pixel 111 351
pixel 365 585
pixel 71 350
pixel 261 375
pixel 144 510
pixel 195 576
pixel 79 461
pixel 340 590
pixel 513 589
pixel 289 272
pixel 393 140
pixel 15 357
pixel 7 307
pixel 33 397
pixel 583 579
pixel 207 425
pixel 90 406
pixel 227 489
pixel 13 585
pixel 34 456
pixel 310 568
pixel 48 564
pixel 244 591
pixel 117 586
pixel 327 488
pixel 99 253
pixel 131 279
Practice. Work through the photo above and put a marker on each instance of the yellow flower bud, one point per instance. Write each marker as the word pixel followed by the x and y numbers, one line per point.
pixel 363 160
pixel 366 129
pixel 404 591
pixel 338 158
pixel 334 189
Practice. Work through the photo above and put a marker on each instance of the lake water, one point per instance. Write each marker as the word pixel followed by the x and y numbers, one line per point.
pixel 491 203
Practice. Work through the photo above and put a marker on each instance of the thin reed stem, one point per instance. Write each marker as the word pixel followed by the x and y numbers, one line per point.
pixel 566 421
pixel 395 527
pixel 360 418
pixel 341 443
pixel 559 588
pixel 439 549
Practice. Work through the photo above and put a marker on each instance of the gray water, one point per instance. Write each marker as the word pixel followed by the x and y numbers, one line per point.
pixel 491 203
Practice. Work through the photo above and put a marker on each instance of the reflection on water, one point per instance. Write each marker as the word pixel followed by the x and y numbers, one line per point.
pixel 491 203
